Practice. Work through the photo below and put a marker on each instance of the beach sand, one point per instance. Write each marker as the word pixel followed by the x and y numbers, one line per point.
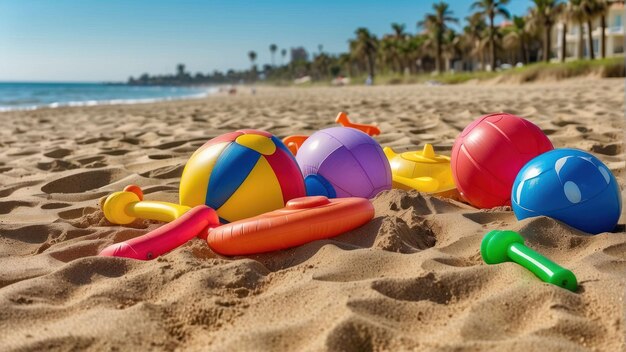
pixel 411 279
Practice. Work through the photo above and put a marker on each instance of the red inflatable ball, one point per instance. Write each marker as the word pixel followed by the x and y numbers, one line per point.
pixel 489 153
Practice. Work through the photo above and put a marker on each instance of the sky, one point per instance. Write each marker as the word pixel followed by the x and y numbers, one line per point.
pixel 110 40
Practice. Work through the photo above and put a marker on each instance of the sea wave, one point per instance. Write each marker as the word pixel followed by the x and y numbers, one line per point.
pixel 18 105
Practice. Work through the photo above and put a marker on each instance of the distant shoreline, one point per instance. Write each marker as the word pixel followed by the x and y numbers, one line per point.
pixel 17 96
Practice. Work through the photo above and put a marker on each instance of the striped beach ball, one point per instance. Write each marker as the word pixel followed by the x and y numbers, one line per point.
pixel 241 174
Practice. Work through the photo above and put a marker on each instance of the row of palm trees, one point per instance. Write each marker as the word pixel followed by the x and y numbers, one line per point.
pixel 481 44
pixel 481 40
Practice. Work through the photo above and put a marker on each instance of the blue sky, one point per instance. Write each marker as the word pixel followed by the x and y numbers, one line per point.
pixel 109 40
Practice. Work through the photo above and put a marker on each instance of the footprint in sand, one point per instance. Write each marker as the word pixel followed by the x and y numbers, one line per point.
pixel 7 191
pixel 617 251
pixel 435 263
pixel 24 153
pixel 484 218
pixel 58 153
pixel 55 205
pixel 395 235
pixel 563 123
pixel 58 165
pixel 93 140
pixel 69 252
pixel 165 172
pixel 8 206
pixel 607 149
pixel 115 152
pixel 83 181
pixel 129 140
pixel 447 288
pixel 29 234
pixel 160 156
pixel 76 213
pixel 170 145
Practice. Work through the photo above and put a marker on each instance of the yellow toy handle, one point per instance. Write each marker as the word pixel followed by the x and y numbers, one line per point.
pixel 124 207
pixel 421 184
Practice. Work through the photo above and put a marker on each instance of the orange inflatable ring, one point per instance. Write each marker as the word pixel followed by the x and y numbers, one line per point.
pixel 303 220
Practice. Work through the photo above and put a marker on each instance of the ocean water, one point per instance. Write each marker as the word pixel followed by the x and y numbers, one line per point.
pixel 23 96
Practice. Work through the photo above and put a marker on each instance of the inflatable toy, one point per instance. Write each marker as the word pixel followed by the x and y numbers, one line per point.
pixel 370 130
pixel 343 162
pixel 303 220
pixel 295 142
pixel 423 170
pixel 239 174
pixel 489 153
pixel 167 237
pixel 571 186
pixel 508 246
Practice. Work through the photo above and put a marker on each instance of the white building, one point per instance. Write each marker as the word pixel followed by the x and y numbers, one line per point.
pixel 614 33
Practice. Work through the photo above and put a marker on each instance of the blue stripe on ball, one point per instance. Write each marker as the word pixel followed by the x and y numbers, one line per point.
pixel 231 169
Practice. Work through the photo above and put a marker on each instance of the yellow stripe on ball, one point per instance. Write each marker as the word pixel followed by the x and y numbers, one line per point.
pixel 257 143
pixel 259 193
pixel 195 179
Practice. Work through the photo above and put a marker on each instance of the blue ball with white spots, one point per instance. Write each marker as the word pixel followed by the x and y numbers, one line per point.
pixel 571 186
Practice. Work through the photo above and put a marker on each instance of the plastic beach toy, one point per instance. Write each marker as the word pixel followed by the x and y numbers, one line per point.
pixel 343 162
pixel 166 237
pixel 294 142
pixel 422 170
pixel 569 185
pixel 303 220
pixel 370 130
pixel 489 153
pixel 508 246
pixel 239 174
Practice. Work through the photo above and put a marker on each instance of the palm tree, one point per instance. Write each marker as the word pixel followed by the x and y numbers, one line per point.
pixel 545 13
pixel 283 54
pixel 576 12
pixel 365 47
pixel 602 10
pixel 252 56
pixel 273 48
pixel 180 70
pixel 393 46
pixel 398 30
pixel 517 36
pixel 345 62
pixel 594 9
pixel 589 11
pixel 388 52
pixel 321 65
pixel 565 18
pixel 412 51
pixel 474 31
pixel 451 46
pixel 437 24
pixel 491 9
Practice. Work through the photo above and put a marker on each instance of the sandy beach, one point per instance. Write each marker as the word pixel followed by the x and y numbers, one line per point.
pixel 411 279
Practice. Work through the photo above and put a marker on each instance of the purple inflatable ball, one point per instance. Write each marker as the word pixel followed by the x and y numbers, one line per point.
pixel 343 162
